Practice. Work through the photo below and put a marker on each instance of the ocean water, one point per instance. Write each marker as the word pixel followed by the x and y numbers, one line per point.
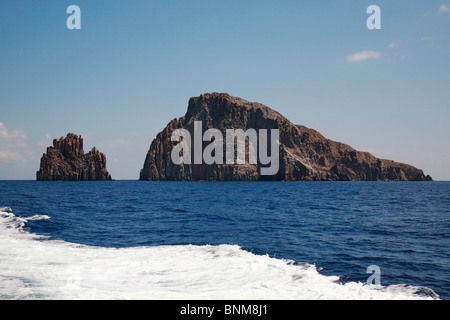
pixel 224 240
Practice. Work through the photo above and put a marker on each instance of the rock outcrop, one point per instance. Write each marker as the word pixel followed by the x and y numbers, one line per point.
pixel 66 161
pixel 304 154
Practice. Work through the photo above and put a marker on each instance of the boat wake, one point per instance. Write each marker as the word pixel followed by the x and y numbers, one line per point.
pixel 35 267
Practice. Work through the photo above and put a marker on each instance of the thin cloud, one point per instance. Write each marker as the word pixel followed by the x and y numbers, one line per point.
pixel 430 41
pixel 13 144
pixel 444 9
pixel 363 56
pixel 393 44
pixel 44 143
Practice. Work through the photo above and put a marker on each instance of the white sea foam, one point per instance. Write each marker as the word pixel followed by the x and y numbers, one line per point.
pixel 32 267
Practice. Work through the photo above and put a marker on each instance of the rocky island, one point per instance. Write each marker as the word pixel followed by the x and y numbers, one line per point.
pixel 66 161
pixel 304 154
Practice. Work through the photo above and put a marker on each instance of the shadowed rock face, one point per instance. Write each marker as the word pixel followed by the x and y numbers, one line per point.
pixel 304 154
pixel 66 161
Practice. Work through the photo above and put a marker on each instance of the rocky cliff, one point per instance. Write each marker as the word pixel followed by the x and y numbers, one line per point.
pixel 66 161
pixel 304 154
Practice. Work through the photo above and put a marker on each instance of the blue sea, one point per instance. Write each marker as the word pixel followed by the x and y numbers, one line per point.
pixel 224 240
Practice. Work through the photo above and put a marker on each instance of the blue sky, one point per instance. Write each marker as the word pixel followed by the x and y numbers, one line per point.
pixel 134 65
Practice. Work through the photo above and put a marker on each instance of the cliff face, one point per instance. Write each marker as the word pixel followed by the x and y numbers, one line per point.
pixel 66 161
pixel 304 154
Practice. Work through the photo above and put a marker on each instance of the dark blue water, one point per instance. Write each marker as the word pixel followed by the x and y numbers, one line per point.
pixel 341 227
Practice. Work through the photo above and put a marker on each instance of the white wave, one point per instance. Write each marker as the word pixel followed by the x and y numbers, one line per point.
pixel 38 217
pixel 32 268
pixel 10 221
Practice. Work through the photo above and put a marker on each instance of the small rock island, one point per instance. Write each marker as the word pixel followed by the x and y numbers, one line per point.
pixel 66 161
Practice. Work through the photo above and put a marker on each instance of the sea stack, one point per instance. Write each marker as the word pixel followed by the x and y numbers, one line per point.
pixel 66 161
pixel 304 154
